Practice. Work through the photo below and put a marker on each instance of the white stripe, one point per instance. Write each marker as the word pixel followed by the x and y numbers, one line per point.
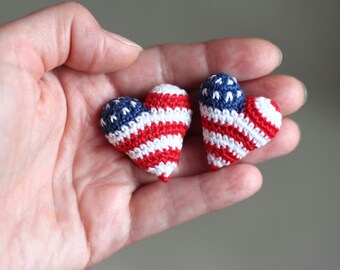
pixel 224 141
pixel 161 143
pixel 176 115
pixel 163 168
pixel 268 111
pixel 218 162
pixel 238 121
pixel 168 89
pixel 216 115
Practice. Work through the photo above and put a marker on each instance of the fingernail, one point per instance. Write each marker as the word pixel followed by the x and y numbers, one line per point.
pixel 124 40
pixel 281 57
pixel 305 93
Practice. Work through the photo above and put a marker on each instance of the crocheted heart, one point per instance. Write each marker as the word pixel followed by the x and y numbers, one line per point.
pixel 150 133
pixel 232 124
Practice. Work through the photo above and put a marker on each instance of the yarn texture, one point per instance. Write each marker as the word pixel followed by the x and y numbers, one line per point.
pixel 150 133
pixel 232 124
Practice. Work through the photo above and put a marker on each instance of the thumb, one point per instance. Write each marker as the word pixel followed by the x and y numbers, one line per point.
pixel 64 34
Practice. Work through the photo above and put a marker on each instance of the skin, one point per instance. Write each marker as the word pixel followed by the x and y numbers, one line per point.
pixel 68 198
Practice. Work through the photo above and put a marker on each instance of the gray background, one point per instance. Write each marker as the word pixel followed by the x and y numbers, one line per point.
pixel 294 221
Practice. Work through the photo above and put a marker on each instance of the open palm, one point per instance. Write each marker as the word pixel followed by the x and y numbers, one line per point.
pixel 68 198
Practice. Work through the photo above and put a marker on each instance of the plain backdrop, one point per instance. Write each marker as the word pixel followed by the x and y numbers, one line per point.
pixel 294 221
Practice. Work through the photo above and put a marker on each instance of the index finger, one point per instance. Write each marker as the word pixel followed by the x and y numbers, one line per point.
pixel 187 65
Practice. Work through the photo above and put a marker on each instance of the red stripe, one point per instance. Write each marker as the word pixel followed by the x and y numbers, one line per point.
pixel 225 153
pixel 153 159
pixel 277 108
pixel 149 133
pixel 154 100
pixel 231 131
pixel 256 117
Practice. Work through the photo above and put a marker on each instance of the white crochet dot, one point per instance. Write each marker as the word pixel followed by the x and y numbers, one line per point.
pixel 230 82
pixel 125 110
pixel 219 81
pixel 216 95
pixel 113 118
pixel 229 96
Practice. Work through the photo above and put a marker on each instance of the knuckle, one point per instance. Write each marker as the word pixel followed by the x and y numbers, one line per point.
pixel 75 7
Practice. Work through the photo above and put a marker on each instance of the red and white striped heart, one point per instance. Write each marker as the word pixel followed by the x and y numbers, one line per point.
pixel 232 124
pixel 150 133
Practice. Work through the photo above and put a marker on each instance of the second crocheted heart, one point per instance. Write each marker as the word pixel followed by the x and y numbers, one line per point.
pixel 150 133
pixel 232 124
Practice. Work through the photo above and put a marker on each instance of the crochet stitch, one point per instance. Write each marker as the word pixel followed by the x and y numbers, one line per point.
pixel 151 134
pixel 232 124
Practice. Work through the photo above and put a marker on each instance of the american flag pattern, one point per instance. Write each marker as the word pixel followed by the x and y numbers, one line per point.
pixel 150 133
pixel 232 124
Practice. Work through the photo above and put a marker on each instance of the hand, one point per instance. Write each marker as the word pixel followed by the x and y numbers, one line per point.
pixel 68 198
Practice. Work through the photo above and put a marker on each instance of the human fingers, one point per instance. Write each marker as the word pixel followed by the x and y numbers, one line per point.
pixel 157 206
pixel 64 34
pixel 187 65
